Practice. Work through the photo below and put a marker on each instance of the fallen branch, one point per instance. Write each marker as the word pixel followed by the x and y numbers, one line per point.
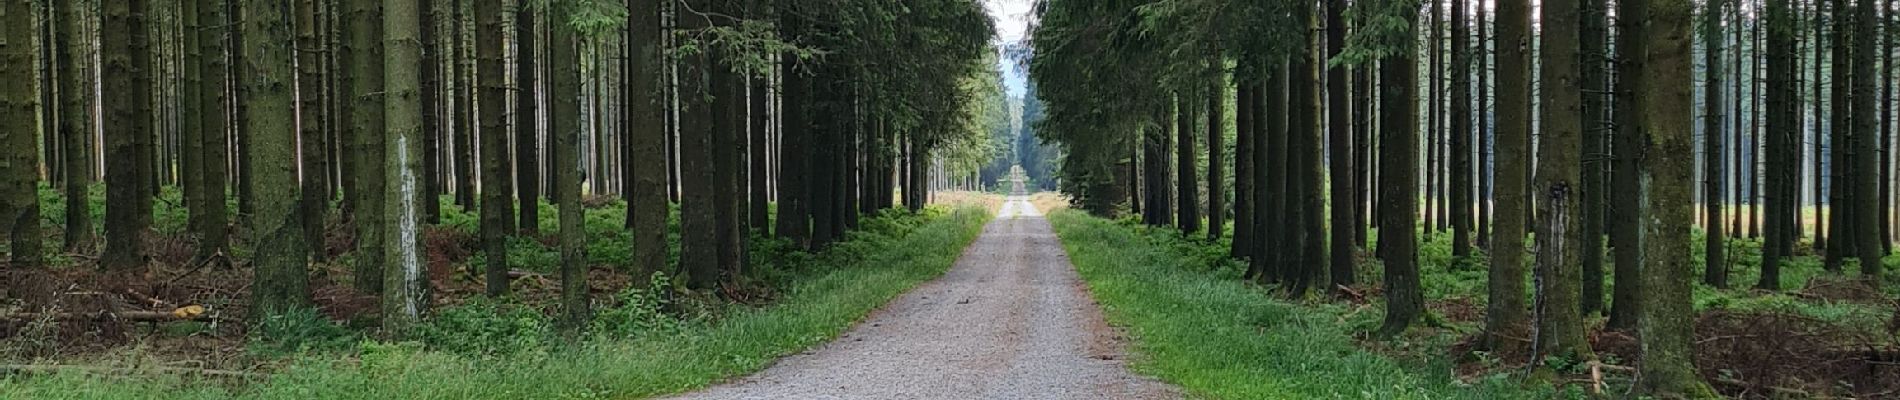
pixel 186 313
pixel 44 369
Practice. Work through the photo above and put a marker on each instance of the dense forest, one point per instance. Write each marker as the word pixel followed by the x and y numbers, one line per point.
pixel 1623 198
pixel 341 150
pixel 1592 157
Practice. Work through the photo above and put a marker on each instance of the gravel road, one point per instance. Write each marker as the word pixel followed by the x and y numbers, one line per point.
pixel 1011 320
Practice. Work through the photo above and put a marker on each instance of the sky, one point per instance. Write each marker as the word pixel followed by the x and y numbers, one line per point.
pixel 1011 18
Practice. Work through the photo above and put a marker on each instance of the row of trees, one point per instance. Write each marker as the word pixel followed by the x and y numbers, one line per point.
pixel 359 114
pixel 1331 137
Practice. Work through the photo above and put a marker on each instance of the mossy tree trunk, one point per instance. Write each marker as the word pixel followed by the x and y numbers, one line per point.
pixel 1715 270
pixel 1668 321
pixel 281 281
pixel 316 191
pixel 1188 214
pixel 1626 234
pixel 1593 201
pixel 76 116
pixel 1784 145
pixel 1505 320
pixel 1558 317
pixel 1865 181
pixel 19 133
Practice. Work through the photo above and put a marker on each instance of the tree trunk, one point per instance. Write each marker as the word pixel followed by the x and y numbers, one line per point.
pixel 564 124
pixel 1460 134
pixel 1244 179
pixel 1505 320
pixel 401 235
pixel 1341 129
pixel 699 224
pixel 1668 322
pixel 492 97
pixel 1715 270
pixel 1594 174
pixel 367 67
pixel 126 55
pixel 1188 213
pixel 1865 181
pixel 647 135
pixel 316 192
pixel 19 104
pixel 794 222
pixel 281 282
pixel 1784 145
pixel 76 118
pixel 1398 162
pixel 1216 101
pixel 1626 235
pixel 528 118
pixel 1558 318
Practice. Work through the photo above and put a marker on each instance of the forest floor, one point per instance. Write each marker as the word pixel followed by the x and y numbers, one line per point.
pixel 70 336
pixel 1010 320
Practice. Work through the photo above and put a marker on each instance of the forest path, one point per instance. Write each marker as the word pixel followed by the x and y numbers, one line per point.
pixel 1010 320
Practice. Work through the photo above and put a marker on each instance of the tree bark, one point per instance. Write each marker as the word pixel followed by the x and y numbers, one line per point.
pixel 1505 319
pixel 647 135
pixel 1341 130
pixel 1626 235
pixel 564 124
pixel 1187 213
pixel 402 210
pixel 19 132
pixel 1668 323
pixel 367 60
pixel 1559 202
pixel 528 117
pixel 127 56
pixel 281 281
pixel 1398 164
pixel 1715 270
pixel 76 117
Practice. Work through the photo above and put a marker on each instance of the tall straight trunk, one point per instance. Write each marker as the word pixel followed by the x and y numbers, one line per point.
pixel 1840 142
pixel 1484 167
pixel 1594 75
pixel 76 115
pixel 1271 221
pixel 492 97
pixel 19 106
pixel 191 126
pixel 646 134
pixel 408 296
pixel 1784 144
pixel 1886 126
pixel 758 176
pixel 1398 160
pixel 241 157
pixel 564 125
pixel 281 280
pixel 1715 271
pixel 462 95
pixel 1558 315
pixel 316 192
pixel 1188 213
pixel 364 31
pixel 1668 323
pixel 1865 181
pixel 1154 171
pixel 1460 133
pixel 1362 115
pixel 124 50
pixel 1821 125
pixel 1244 179
pixel 1215 98
pixel 699 255
pixel 435 103
pixel 1308 102
pixel 728 153
pixel 794 222
pixel 1505 320
pixel 1627 143
pixel 528 118
pixel 1433 111
pixel 1340 130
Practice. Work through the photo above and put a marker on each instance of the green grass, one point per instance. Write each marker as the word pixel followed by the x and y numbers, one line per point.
pixel 1194 324
pixel 820 298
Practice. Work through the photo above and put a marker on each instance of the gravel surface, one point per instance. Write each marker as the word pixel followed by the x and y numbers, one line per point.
pixel 1011 320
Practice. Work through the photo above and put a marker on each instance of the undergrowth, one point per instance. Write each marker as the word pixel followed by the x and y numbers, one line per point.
pixel 646 341
pixel 1196 325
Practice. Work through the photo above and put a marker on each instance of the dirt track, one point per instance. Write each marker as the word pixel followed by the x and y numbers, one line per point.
pixel 1011 320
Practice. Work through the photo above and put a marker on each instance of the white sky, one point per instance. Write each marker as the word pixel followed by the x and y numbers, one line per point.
pixel 1012 25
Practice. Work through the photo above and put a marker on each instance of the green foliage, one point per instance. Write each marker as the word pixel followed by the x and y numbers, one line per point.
pixel 298 331
pixel 485 327
pixel 642 311
pixel 1218 337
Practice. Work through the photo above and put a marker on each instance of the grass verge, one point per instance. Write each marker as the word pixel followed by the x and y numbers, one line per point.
pixel 692 354
pixel 1202 329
